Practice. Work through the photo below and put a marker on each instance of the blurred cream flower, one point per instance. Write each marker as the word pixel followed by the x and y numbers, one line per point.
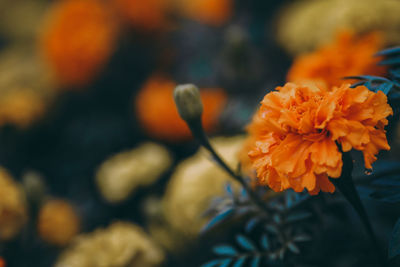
pixel 25 88
pixel 194 184
pixel 13 210
pixel 296 27
pixel 120 245
pixel 119 176
pixel 58 222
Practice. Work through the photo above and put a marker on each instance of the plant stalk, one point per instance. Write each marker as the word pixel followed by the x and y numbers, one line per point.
pixel 346 186
pixel 198 132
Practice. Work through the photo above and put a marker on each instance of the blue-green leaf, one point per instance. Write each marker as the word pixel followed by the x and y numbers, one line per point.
pixel 292 246
pixel 212 263
pixel 245 243
pixel 251 224
pixel 240 262
pixel 389 51
pixel 225 250
pixel 256 261
pixel 394 244
pixel 264 242
pixel 217 219
pixel 225 263
pixel 390 61
pixel 298 216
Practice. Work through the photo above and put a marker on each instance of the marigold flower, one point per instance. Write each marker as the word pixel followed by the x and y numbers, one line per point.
pixel 295 131
pixel 78 39
pixel 348 55
pixel 158 115
pixel 213 12
pixel 147 15
pixel 58 222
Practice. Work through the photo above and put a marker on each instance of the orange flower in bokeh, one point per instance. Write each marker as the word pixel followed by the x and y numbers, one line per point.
pixel 295 133
pixel 158 115
pixel 213 12
pixel 143 14
pixel 58 222
pixel 78 39
pixel 348 55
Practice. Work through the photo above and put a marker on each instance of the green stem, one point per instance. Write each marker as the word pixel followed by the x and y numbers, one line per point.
pixel 198 132
pixel 346 186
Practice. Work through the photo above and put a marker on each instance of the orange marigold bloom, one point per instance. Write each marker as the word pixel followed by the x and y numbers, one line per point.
pixel 158 115
pixel 295 131
pixel 348 55
pixel 213 12
pixel 78 39
pixel 58 222
pixel 143 14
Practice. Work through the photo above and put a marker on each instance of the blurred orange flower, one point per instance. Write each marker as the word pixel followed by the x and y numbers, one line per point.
pixel 213 12
pixel 158 115
pixel 295 131
pixel 348 55
pixel 78 39
pixel 143 14
pixel 58 222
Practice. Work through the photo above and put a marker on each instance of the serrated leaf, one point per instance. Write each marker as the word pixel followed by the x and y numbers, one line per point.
pixel 245 243
pixel 240 262
pixel 394 243
pixel 264 242
pixel 225 250
pixel 256 261
pixel 389 51
pixel 367 78
pixel 217 219
pixel 390 61
pixel 385 88
pixel 212 263
pixel 251 224
pixel 292 247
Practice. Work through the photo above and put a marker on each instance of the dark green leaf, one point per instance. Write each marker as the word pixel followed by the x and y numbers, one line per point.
pixel 389 51
pixel 213 263
pixel 264 242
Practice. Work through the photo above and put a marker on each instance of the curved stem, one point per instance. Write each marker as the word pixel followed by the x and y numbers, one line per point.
pixel 198 132
pixel 346 186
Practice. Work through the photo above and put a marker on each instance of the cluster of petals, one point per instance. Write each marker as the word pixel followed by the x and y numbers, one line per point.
pixel 296 134
pixel 77 40
pixel 347 55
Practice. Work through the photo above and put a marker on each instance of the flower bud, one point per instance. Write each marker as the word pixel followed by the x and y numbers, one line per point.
pixel 188 102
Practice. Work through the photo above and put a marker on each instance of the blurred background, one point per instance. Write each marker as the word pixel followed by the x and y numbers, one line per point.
pixel 97 169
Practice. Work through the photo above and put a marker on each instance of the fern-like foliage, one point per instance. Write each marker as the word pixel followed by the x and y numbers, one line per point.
pixel 278 231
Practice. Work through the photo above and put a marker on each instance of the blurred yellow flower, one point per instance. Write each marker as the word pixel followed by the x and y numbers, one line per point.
pixel 13 207
pixel 58 222
pixel 297 31
pixel 120 245
pixel 119 176
pixel 195 182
